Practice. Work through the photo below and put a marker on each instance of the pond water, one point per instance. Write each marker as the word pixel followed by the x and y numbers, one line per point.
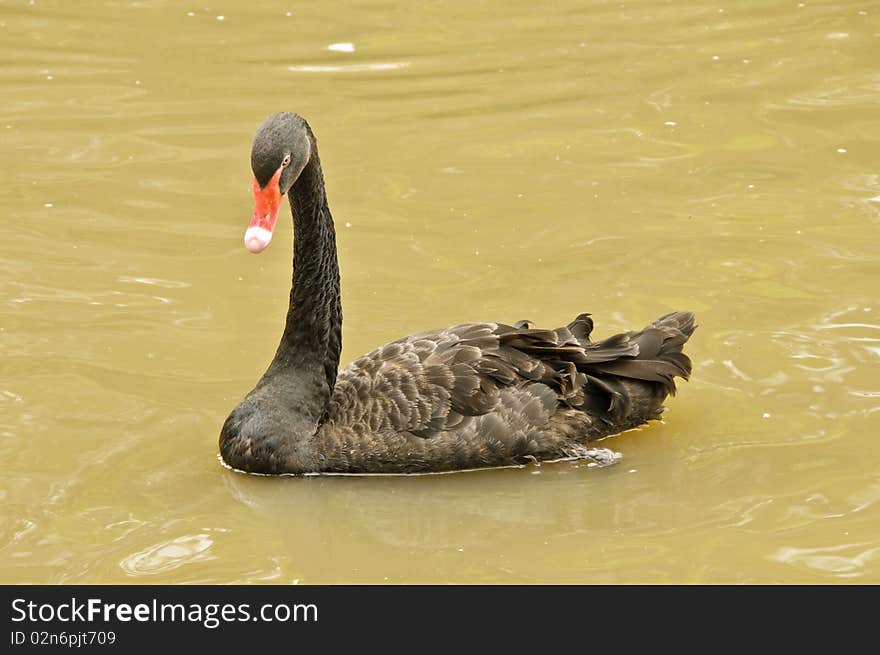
pixel 484 161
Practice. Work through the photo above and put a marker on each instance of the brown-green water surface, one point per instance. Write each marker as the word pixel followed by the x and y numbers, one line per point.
pixel 484 161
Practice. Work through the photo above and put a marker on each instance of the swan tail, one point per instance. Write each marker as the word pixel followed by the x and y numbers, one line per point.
pixel 622 379
pixel 654 354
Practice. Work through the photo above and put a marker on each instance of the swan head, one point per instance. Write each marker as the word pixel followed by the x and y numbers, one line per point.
pixel 281 150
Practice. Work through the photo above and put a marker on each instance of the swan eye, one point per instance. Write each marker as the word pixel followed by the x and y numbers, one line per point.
pixel 285 161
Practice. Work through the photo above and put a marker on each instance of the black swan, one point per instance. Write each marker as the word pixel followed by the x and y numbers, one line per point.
pixel 471 396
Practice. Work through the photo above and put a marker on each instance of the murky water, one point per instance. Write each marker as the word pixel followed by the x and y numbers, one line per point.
pixel 484 161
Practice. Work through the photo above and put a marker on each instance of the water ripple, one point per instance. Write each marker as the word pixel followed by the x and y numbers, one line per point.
pixel 349 68
pixel 831 559
pixel 169 555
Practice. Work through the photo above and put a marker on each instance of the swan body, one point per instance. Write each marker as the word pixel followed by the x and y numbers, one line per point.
pixel 470 396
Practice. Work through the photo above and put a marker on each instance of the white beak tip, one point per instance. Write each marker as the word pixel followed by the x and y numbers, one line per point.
pixel 257 239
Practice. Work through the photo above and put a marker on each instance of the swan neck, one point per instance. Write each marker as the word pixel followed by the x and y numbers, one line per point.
pixel 312 339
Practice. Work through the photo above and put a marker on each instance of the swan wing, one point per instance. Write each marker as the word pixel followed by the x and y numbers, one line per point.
pixel 433 382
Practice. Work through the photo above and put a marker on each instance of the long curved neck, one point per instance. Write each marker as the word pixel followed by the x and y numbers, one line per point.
pixel 307 358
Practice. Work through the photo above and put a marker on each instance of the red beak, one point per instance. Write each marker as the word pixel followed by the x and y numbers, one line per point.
pixel 267 201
